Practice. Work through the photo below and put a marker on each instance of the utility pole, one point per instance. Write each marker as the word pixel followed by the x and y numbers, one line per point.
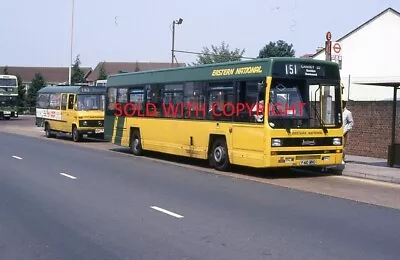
pixel 173 44
pixel 179 21
pixel 72 37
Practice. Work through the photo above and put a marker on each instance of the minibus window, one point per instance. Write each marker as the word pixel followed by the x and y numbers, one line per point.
pixel 71 102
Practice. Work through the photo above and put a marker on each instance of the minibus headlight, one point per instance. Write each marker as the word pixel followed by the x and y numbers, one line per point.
pixel 337 141
pixel 276 142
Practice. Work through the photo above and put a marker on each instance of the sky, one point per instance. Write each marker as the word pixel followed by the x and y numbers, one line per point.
pixel 38 32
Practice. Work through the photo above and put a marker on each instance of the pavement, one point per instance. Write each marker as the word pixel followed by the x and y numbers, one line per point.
pixel 371 168
pixel 63 201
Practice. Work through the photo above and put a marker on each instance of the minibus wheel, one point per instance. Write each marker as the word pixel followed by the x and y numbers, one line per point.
pixel 76 136
pixel 47 130
pixel 135 143
pixel 219 158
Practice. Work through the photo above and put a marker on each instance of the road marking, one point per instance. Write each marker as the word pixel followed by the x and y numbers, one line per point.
pixel 68 176
pixel 16 157
pixel 166 212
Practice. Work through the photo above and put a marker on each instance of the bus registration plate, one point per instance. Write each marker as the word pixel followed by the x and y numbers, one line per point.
pixel 99 131
pixel 308 162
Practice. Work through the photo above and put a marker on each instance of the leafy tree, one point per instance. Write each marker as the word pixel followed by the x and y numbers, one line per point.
pixel 219 54
pixel 102 72
pixel 277 49
pixel 37 83
pixel 21 91
pixel 78 76
pixel 5 70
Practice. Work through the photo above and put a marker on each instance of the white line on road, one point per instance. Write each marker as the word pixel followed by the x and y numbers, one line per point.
pixel 166 212
pixel 16 157
pixel 67 175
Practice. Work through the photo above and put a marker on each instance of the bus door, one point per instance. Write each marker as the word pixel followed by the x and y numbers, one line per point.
pixel 70 114
pixel 220 109
pixel 248 128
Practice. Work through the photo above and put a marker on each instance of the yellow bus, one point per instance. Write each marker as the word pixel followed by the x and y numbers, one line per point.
pixel 217 112
pixel 75 110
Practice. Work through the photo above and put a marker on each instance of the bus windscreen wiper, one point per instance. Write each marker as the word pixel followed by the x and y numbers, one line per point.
pixel 321 121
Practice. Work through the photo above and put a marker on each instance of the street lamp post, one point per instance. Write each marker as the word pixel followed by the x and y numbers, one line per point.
pixel 72 37
pixel 179 21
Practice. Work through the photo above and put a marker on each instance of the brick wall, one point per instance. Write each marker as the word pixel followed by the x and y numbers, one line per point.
pixel 371 134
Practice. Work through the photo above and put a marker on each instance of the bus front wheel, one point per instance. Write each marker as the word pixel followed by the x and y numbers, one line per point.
pixel 76 136
pixel 136 144
pixel 219 158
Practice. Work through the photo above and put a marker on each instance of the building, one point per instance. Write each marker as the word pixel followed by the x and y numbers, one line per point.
pixel 52 75
pixel 117 67
pixel 370 53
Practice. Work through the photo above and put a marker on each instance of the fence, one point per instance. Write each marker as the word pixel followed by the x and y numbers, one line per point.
pixel 27 111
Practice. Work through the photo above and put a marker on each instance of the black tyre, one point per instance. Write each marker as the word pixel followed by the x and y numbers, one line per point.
pixel 76 136
pixel 135 143
pixel 47 131
pixel 219 157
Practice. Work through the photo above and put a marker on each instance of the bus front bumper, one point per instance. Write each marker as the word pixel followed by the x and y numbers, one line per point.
pixel 8 113
pixel 91 131
pixel 304 160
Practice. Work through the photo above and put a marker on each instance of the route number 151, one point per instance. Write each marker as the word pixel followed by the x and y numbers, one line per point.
pixel 291 69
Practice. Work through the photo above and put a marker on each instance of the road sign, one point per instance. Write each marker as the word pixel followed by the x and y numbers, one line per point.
pixel 336 49
pixel 328 36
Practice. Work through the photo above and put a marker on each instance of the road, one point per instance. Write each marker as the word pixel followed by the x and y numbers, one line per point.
pixel 62 201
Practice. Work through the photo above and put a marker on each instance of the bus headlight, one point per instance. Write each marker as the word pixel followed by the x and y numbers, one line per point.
pixel 337 141
pixel 276 142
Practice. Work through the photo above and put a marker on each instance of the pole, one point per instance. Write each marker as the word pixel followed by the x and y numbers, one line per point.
pixel 173 44
pixel 393 141
pixel 348 89
pixel 72 38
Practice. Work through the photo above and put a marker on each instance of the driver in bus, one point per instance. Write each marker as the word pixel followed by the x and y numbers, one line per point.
pixel 258 108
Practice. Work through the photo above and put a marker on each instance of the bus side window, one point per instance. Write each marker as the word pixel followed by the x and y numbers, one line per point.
pixel 64 101
pixel 71 101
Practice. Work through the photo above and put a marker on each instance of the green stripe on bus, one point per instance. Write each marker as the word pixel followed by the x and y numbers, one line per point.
pixel 120 129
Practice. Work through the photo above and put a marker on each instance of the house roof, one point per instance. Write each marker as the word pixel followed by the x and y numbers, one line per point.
pixel 362 26
pixel 115 67
pixel 50 74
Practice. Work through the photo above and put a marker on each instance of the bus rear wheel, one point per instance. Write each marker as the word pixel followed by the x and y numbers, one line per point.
pixel 219 158
pixel 47 130
pixel 135 143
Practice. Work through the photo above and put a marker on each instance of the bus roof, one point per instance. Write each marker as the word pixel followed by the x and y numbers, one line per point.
pixel 8 76
pixel 73 89
pixel 217 71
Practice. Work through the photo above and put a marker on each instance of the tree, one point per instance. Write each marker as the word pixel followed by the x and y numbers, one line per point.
pixel 21 91
pixel 102 72
pixel 78 76
pixel 37 83
pixel 5 70
pixel 277 49
pixel 219 54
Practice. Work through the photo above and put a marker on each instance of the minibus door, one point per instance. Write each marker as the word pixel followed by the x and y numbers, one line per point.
pixel 70 113
pixel 64 104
